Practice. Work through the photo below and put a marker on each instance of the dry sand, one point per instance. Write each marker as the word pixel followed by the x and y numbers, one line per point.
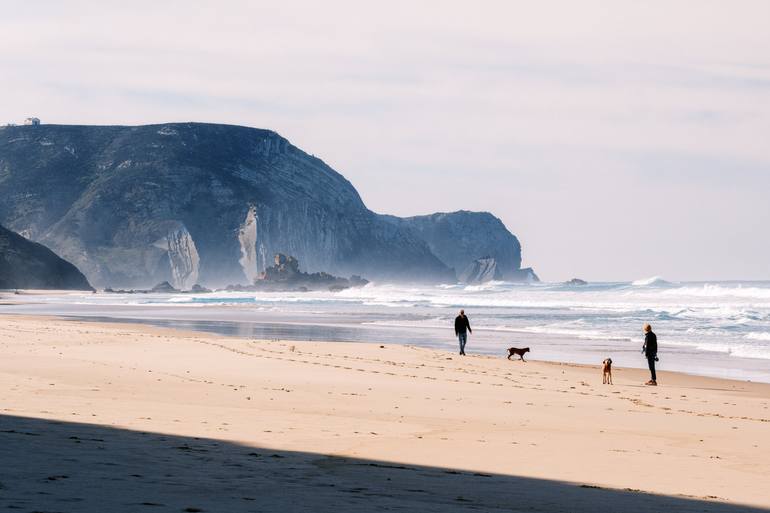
pixel 111 417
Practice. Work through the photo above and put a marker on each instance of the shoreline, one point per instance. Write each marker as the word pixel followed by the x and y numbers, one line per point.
pixel 280 327
pixel 574 325
pixel 389 405
pixel 677 376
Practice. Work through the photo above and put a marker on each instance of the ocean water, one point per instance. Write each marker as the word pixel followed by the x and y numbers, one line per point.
pixel 717 329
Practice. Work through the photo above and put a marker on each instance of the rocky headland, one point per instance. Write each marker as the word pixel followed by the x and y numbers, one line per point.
pixel 188 203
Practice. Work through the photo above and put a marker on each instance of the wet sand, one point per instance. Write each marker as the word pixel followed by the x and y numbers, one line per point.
pixel 111 417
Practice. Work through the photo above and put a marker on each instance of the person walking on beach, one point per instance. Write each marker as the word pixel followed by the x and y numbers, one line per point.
pixel 650 350
pixel 462 328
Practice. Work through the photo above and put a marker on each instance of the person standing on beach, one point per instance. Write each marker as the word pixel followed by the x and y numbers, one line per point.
pixel 650 350
pixel 462 328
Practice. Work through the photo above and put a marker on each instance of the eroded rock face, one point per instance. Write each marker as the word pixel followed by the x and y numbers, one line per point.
pixel 27 265
pixel 247 236
pixel 480 271
pixel 183 258
pixel 193 202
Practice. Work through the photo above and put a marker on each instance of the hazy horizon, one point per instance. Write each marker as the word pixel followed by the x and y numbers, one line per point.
pixel 617 141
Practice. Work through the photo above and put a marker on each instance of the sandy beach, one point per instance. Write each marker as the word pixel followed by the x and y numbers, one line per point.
pixel 113 417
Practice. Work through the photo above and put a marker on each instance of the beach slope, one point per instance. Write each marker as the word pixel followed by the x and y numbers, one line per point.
pixel 111 417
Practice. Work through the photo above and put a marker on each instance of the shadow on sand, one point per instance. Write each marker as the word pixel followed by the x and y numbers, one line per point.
pixel 50 466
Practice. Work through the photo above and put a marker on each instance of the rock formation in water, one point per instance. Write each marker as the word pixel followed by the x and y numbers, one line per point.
pixel 201 203
pixel 285 275
pixel 161 288
pixel 480 271
pixel 164 288
pixel 27 265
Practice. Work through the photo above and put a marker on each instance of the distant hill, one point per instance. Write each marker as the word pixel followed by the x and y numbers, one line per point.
pixel 195 202
pixel 28 265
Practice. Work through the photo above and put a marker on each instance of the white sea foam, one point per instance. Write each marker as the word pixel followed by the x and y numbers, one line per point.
pixel 712 324
pixel 654 281
pixel 731 349
pixel 581 334
pixel 719 291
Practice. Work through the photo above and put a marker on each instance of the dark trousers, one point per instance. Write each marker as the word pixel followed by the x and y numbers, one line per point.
pixel 651 364
pixel 463 339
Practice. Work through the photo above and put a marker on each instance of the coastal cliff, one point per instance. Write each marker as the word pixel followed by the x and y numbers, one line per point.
pixel 190 203
pixel 460 238
pixel 28 265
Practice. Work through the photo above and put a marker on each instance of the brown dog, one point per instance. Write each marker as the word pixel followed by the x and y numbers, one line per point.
pixel 607 371
pixel 515 350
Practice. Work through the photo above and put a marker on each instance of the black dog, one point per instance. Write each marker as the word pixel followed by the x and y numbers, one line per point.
pixel 515 350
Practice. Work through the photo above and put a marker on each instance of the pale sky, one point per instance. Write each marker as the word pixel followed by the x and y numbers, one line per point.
pixel 618 139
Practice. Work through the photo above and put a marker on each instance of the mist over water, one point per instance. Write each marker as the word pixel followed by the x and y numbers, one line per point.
pixel 719 329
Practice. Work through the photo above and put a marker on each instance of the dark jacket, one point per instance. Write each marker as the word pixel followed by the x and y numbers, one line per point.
pixel 461 324
pixel 650 344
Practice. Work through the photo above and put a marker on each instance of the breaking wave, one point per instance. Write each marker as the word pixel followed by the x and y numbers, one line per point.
pixel 655 281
